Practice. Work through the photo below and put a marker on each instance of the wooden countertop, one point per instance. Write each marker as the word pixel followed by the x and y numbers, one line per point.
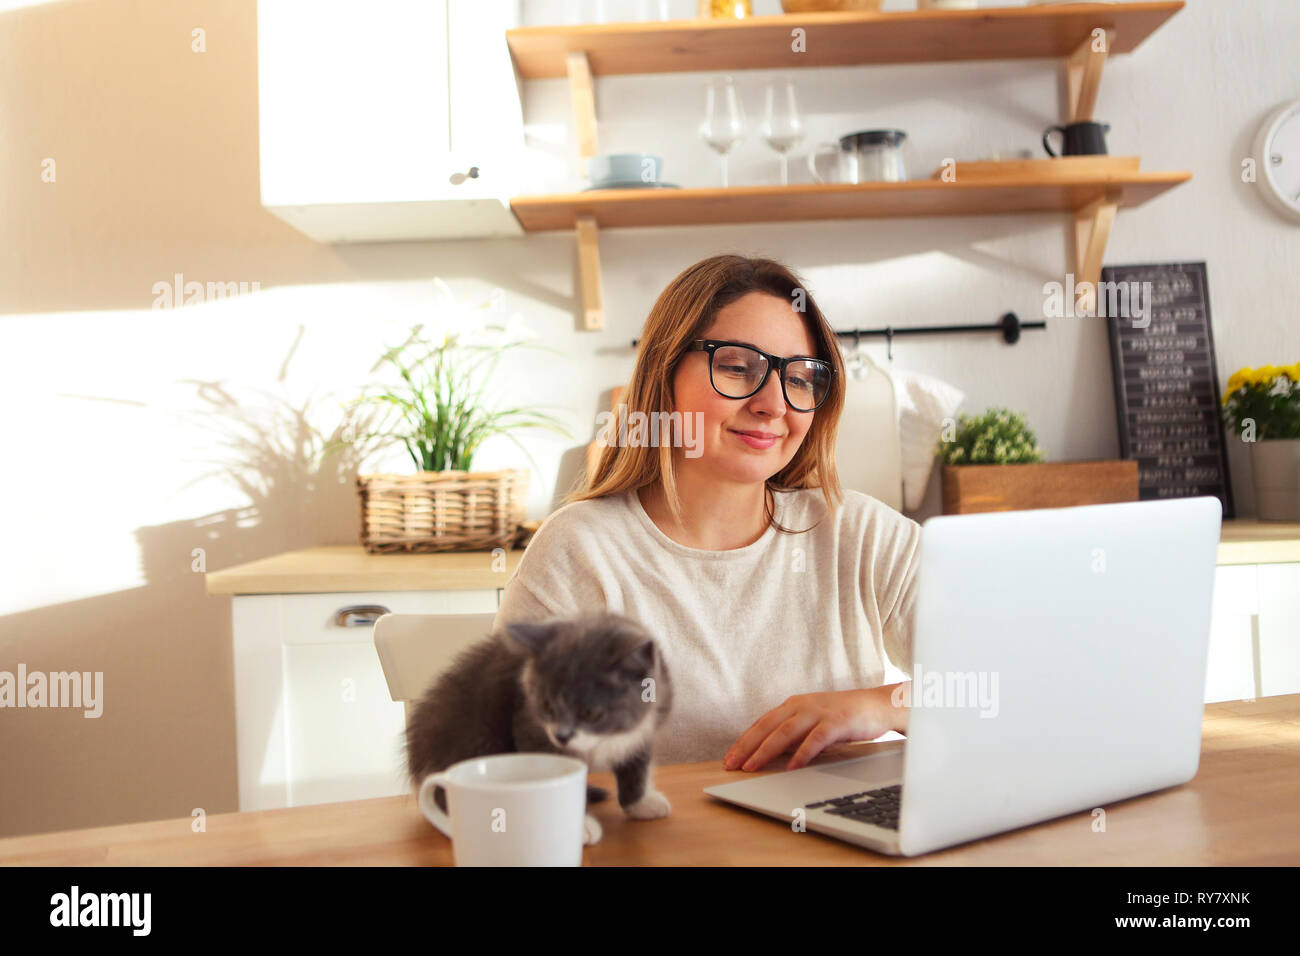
pixel 1247 541
pixel 348 567
pixel 1241 808
pixel 339 568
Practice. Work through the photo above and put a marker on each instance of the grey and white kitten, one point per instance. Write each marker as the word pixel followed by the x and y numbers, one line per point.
pixel 575 685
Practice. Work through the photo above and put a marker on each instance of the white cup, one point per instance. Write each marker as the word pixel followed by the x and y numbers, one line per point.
pixel 525 809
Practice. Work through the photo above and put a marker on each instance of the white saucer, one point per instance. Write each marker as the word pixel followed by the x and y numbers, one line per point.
pixel 630 184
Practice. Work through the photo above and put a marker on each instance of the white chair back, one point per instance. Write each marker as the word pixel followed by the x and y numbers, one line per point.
pixel 415 648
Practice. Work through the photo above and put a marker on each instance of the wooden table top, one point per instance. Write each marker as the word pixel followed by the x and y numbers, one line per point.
pixel 1242 808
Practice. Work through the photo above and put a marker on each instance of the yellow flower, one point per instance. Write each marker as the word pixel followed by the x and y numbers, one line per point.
pixel 1293 372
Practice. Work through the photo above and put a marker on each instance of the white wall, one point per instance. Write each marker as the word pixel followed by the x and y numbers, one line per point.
pixel 133 436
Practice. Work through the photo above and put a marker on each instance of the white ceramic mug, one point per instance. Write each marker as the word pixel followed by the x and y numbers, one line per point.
pixel 524 809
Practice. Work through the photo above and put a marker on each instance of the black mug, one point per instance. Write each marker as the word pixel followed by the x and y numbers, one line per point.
pixel 1079 139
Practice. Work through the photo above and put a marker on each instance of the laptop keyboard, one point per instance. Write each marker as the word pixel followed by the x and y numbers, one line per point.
pixel 878 807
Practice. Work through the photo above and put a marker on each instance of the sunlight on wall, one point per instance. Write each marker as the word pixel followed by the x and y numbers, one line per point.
pixel 133 438
pixel 149 421
pixel 19 4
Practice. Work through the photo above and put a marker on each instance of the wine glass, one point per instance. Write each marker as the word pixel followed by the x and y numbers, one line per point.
pixel 724 121
pixel 782 129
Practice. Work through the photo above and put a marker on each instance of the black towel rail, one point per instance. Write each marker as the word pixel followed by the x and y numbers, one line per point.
pixel 1009 325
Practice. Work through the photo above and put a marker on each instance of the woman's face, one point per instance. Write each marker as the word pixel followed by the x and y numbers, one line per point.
pixel 768 323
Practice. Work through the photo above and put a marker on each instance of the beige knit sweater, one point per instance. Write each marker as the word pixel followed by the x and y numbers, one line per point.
pixel 744 629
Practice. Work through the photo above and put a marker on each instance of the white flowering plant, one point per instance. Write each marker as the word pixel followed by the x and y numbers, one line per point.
pixel 436 407
pixel 997 437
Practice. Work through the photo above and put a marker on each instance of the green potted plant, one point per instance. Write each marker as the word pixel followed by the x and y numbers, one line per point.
pixel 993 462
pixel 1263 407
pixel 435 405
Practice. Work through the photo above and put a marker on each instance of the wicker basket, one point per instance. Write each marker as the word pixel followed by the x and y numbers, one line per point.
pixel 442 510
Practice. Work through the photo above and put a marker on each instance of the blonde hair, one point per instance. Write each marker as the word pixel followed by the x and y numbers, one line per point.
pixel 681 314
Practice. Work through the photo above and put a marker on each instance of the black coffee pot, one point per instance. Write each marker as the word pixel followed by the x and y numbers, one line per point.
pixel 1078 139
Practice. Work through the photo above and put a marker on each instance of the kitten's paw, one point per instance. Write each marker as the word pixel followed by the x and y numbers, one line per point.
pixel 652 806
pixel 591 831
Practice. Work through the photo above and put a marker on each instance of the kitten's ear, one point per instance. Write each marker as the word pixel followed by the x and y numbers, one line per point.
pixel 640 660
pixel 531 635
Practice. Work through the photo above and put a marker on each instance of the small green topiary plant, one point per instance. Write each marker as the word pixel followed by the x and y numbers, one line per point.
pixel 997 437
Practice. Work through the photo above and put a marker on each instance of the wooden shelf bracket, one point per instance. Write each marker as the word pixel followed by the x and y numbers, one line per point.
pixel 593 308
pixel 583 95
pixel 1091 231
pixel 1083 73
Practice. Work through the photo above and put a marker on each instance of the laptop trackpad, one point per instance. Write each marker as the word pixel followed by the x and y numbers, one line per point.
pixel 878 768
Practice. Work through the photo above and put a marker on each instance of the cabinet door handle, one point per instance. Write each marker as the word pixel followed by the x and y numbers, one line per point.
pixel 359 615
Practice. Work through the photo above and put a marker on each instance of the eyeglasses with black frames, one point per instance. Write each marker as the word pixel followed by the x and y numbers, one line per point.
pixel 737 370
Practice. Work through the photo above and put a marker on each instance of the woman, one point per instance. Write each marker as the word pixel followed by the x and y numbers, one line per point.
pixel 773 594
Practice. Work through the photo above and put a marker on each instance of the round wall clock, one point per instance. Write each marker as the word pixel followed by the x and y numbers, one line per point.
pixel 1277 155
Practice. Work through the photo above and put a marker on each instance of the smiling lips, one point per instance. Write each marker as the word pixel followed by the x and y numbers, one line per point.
pixel 755 439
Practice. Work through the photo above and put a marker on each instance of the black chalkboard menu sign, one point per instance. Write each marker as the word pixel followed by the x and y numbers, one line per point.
pixel 1166 385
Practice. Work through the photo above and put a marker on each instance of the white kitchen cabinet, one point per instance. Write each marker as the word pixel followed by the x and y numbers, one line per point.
pixel 314 720
pixel 1254 632
pixel 1230 672
pixel 389 119
pixel 1279 629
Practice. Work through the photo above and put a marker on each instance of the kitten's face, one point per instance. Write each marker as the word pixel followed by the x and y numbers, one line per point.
pixel 583 683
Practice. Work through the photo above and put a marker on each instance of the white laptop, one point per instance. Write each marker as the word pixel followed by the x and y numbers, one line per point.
pixel 1058 665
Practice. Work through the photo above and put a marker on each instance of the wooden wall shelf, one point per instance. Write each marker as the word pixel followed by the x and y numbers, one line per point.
pixel 834 39
pixel 628 208
pixel 1081 35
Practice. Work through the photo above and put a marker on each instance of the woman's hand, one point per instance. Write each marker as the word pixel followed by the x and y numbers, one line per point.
pixel 815 721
